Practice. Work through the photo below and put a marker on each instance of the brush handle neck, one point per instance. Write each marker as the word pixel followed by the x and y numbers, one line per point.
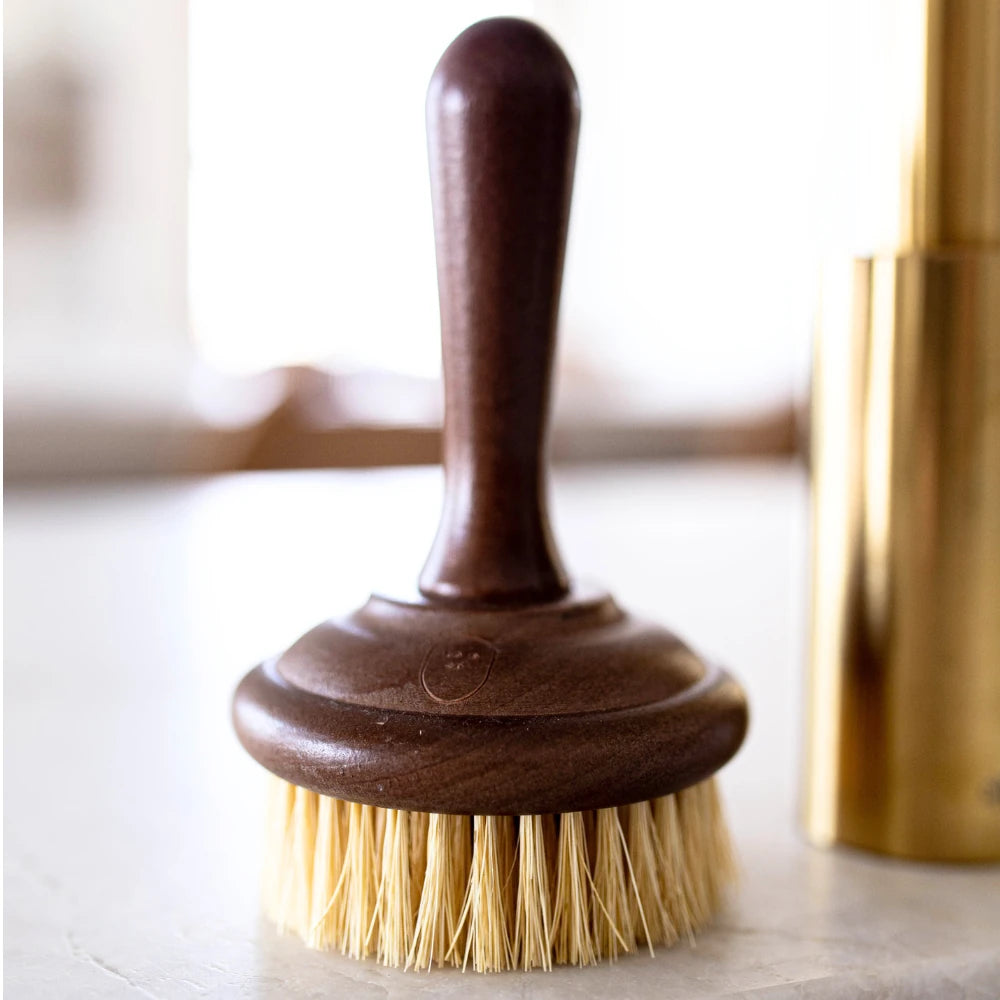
pixel 502 119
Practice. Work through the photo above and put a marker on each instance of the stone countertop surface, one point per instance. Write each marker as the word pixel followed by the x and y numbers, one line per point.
pixel 132 820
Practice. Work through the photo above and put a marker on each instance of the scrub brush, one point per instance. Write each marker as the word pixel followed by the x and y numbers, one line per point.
pixel 504 770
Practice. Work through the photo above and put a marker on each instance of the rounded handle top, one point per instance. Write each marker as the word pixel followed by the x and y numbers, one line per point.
pixel 502 120
pixel 499 57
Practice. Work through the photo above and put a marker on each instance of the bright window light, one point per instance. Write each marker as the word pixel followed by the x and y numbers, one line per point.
pixel 706 189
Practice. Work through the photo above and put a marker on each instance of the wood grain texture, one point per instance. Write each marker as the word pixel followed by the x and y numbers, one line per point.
pixel 502 119
pixel 499 688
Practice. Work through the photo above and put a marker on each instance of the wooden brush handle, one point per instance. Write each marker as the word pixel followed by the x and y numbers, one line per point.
pixel 498 692
pixel 502 119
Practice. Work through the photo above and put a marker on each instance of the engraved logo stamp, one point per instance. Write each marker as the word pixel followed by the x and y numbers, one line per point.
pixel 457 670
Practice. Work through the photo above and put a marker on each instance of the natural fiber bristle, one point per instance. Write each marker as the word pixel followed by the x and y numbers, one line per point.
pixel 573 939
pixel 494 892
pixel 486 911
pixel 532 934
pixel 613 927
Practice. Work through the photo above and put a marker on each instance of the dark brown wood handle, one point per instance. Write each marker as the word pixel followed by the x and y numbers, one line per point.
pixel 563 700
pixel 502 120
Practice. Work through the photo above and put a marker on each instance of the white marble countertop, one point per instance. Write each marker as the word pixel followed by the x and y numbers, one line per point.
pixel 132 837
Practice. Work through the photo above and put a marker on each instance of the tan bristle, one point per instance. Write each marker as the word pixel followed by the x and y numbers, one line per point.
pixel 359 883
pixel 494 892
pixel 394 906
pixel 327 917
pixel 707 852
pixel 418 854
pixel 550 835
pixel 572 941
pixel 461 832
pixel 613 928
pixel 507 850
pixel 533 922
pixel 436 934
pixel 488 936
pixel 590 827
pixel 675 879
pixel 277 846
pixel 294 893
pixel 648 912
pixel 695 812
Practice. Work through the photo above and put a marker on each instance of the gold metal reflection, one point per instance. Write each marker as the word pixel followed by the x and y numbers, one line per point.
pixel 904 734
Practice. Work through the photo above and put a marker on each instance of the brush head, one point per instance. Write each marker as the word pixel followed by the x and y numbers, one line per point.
pixel 500 689
pixel 549 708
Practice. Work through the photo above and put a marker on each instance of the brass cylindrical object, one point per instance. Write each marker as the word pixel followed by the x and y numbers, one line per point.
pixel 903 747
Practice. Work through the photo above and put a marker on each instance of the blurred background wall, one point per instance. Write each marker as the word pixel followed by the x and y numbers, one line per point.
pixel 95 229
pixel 218 248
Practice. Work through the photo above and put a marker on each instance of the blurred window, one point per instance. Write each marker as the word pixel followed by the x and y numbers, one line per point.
pixel 196 194
pixel 694 235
